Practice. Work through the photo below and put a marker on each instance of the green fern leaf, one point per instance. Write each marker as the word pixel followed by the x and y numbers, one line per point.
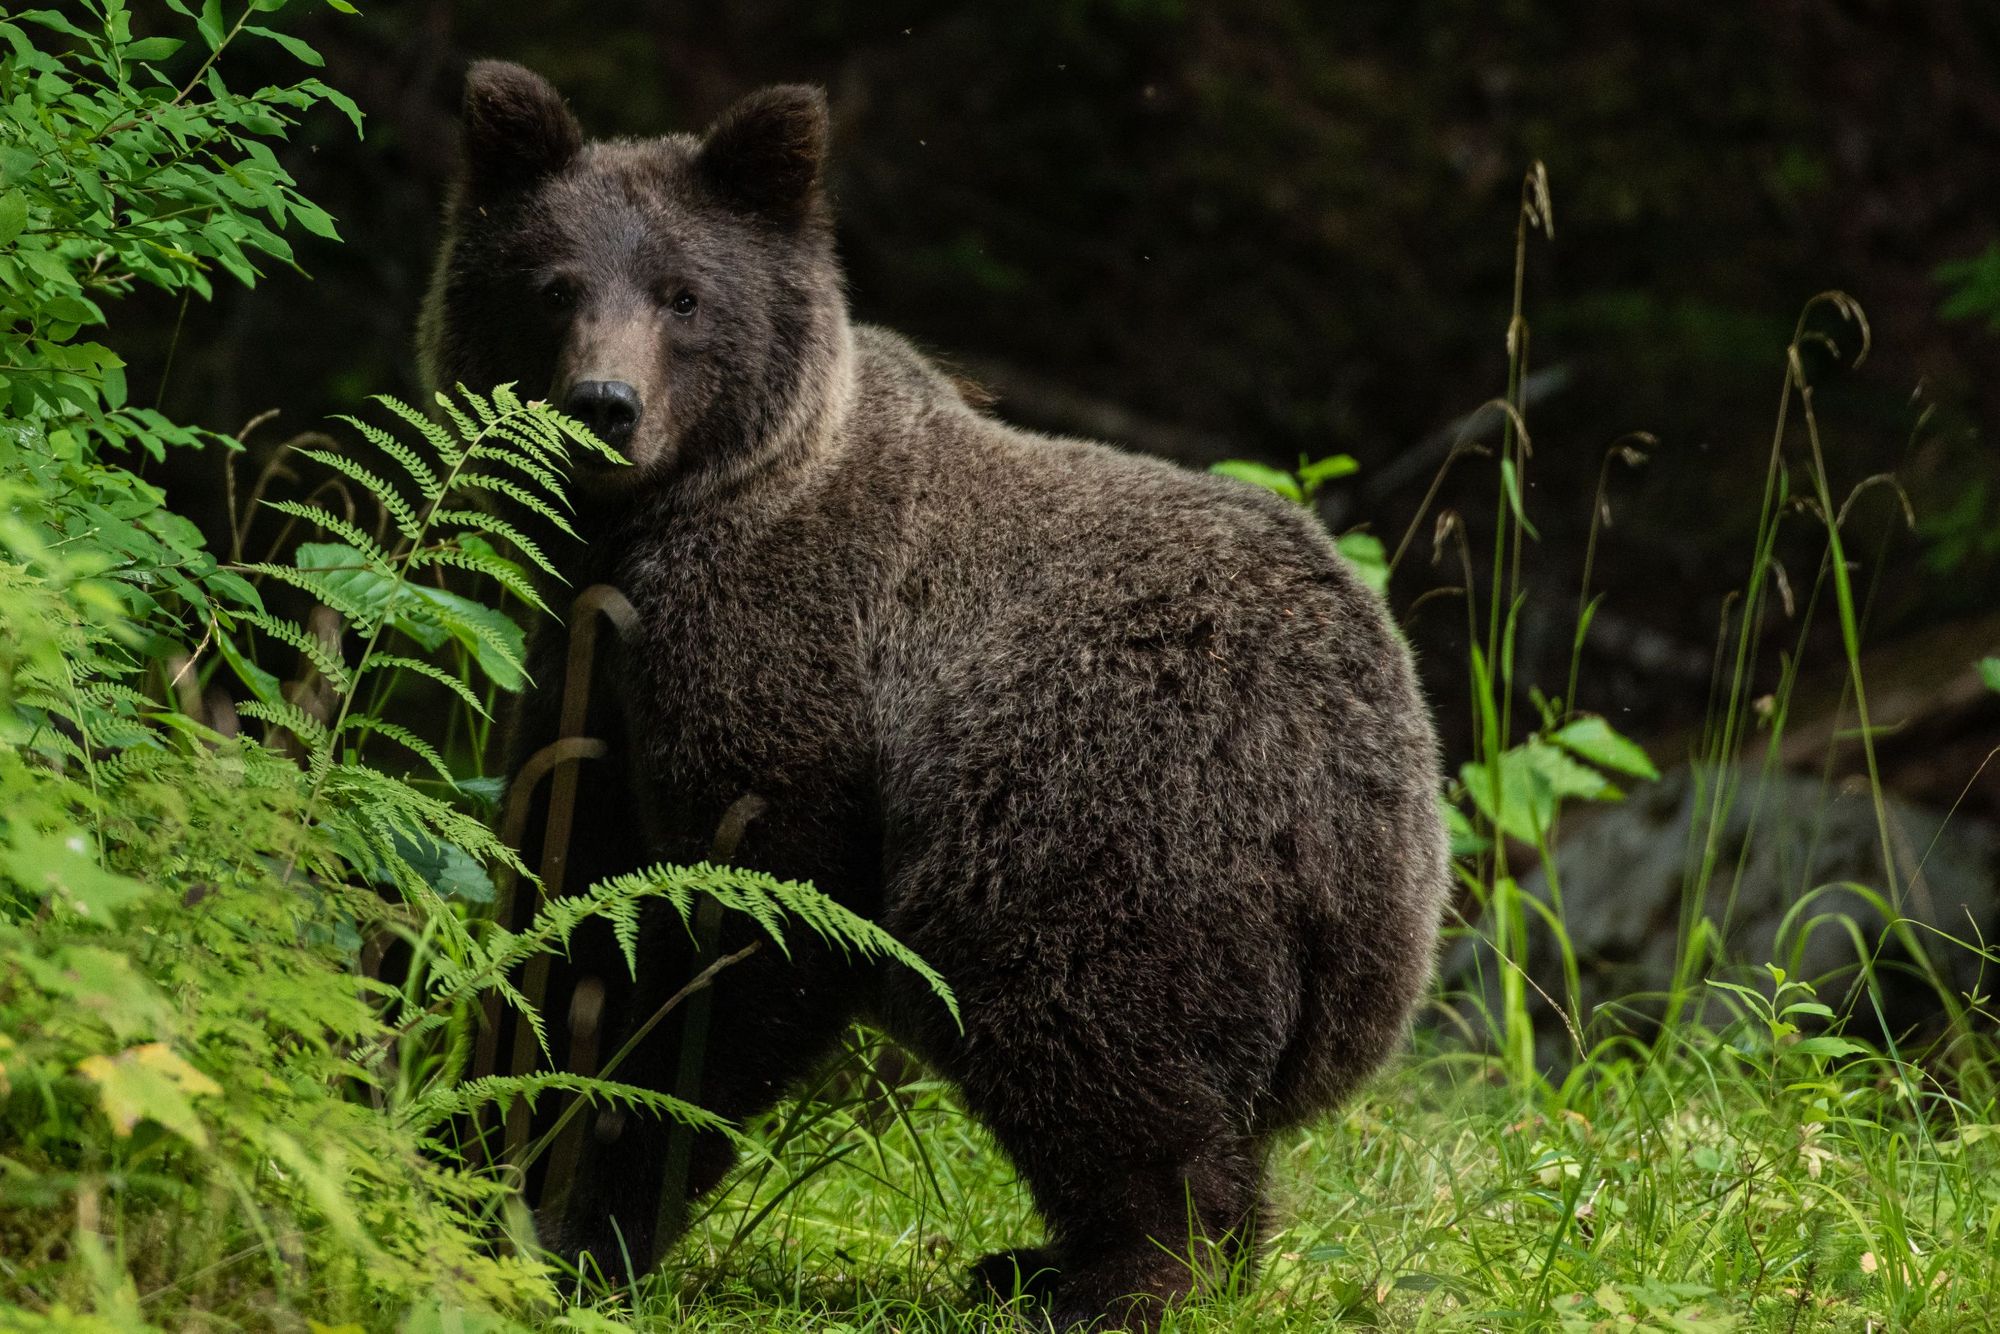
pixel 308 729
pixel 387 496
pixel 507 573
pixel 495 526
pixel 439 439
pixel 576 433
pixel 340 595
pixel 520 495
pixel 496 642
pixel 397 662
pixel 461 423
pixel 529 465
pixel 441 1104
pixel 536 437
pixel 324 660
pixel 352 534
pixel 420 473
pixel 481 408
pixel 359 726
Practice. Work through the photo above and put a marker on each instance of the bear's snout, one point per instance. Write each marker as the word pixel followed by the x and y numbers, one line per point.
pixel 610 408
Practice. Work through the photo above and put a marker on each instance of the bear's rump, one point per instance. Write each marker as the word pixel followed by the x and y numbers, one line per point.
pixel 1151 894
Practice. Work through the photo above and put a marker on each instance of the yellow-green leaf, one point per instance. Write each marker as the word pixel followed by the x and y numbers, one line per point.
pixel 150 1082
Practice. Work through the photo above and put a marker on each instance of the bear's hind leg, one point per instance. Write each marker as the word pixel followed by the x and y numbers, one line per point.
pixel 1027 1272
pixel 1131 1235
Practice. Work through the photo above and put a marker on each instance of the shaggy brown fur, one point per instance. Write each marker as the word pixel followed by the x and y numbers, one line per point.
pixel 1128 753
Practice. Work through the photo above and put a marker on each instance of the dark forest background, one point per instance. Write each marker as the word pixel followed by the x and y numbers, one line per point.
pixel 1274 227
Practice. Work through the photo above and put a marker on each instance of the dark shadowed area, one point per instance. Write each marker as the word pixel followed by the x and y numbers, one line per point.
pixel 1277 227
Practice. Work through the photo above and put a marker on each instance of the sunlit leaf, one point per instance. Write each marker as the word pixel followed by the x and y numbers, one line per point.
pixel 1259 474
pixel 1594 739
pixel 150 1082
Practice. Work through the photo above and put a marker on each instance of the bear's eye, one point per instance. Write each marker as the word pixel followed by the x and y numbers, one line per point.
pixel 683 303
pixel 558 296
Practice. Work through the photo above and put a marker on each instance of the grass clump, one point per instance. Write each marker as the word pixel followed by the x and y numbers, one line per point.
pixel 1720 1180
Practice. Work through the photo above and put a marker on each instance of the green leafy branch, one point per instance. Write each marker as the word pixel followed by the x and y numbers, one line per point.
pixel 1364 550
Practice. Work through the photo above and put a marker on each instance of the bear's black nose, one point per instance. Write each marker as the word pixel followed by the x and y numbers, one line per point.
pixel 608 407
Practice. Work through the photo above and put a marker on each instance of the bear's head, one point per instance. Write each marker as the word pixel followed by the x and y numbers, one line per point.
pixel 679 295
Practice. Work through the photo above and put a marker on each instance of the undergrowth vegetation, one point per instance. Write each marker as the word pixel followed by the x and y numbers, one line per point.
pixel 210 1113
pixel 217 1109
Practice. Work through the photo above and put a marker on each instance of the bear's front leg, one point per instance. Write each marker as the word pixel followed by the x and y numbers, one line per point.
pixel 609 1218
pixel 772 1019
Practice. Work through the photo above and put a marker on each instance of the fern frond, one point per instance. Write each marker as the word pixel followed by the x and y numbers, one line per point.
pixel 505 572
pixel 441 1104
pixel 109 694
pixel 397 662
pixel 493 525
pixel 398 805
pixel 480 407
pixel 623 914
pixel 520 495
pixel 292 718
pixel 362 616
pixel 534 436
pixel 351 534
pixel 409 460
pixel 530 1014
pixel 363 726
pixel 769 901
pixel 439 439
pixel 574 432
pixel 134 764
pixel 390 499
pixel 528 465
pixel 58 739
pixel 111 732
pixel 459 421
pixel 324 660
pixel 443 617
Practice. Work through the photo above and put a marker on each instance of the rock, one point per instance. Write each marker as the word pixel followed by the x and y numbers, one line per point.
pixel 1792 864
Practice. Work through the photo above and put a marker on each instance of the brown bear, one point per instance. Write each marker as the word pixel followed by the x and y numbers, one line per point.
pixel 1128 753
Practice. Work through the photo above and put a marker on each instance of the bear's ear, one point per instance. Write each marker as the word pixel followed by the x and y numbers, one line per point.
pixel 516 129
pixel 765 154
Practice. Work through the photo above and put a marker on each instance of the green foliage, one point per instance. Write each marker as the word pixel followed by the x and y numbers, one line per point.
pixel 210 1111
pixel 376 591
pixel 1302 486
pixel 183 912
pixel 113 175
pixel 183 1015
pixel 1670 1186
pixel 1974 287
pixel 1363 549
pixel 1521 792
pixel 1965 531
